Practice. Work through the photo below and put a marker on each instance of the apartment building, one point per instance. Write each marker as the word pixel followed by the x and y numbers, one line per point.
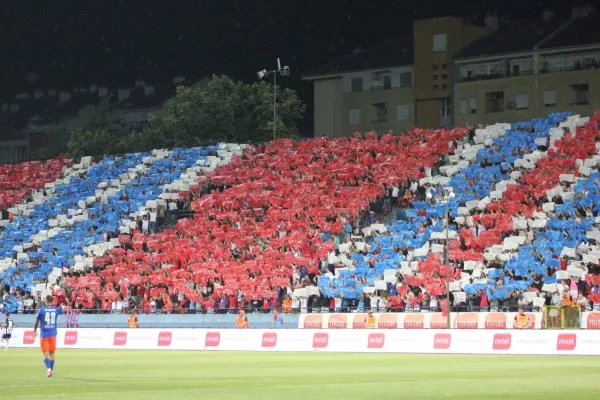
pixel 392 86
pixel 445 72
pixel 528 69
pixel 370 90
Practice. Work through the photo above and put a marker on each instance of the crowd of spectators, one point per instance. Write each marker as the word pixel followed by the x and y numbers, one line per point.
pixel 242 220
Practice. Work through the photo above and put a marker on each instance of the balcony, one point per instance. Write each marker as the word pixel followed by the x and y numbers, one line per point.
pixel 381 87
pixel 577 67
pixel 495 75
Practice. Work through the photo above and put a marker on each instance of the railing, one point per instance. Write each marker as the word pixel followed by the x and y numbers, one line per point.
pixel 579 103
pixel 495 75
pixel 582 67
pixel 561 317
pixel 381 87
pixel 292 318
pixel 172 216
pixel 343 309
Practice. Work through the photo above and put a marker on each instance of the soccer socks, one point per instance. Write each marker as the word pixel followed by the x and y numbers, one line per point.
pixel 47 363
pixel 52 364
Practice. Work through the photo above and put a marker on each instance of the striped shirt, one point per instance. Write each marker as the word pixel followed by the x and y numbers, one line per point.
pixel 556 299
pixel 8 326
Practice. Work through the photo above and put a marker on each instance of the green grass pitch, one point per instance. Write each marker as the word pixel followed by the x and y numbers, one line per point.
pixel 172 375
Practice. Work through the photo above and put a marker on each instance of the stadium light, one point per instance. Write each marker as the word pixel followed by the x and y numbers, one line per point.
pixel 448 195
pixel 285 71
pixel 262 74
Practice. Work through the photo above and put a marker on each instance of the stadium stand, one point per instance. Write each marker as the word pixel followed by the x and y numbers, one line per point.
pixel 508 249
pixel 300 225
pixel 80 213
pixel 278 199
pixel 19 181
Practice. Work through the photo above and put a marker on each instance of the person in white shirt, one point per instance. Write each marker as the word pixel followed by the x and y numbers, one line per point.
pixel 145 224
pixel 433 304
pixel 7 329
pixel 338 303
pixel 153 216
pixel 303 305
pixel 414 185
pixel 582 280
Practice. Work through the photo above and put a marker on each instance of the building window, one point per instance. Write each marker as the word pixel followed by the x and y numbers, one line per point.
pixel 571 62
pixel 380 81
pixel 494 102
pixel 402 112
pixel 473 105
pixel 521 67
pixel 444 66
pixel 356 85
pixel 550 98
pixel 444 76
pixel 440 42
pixel 379 112
pixel 435 67
pixel 21 153
pixel 406 79
pixel 445 86
pixel 435 77
pixel 464 106
pixel 387 81
pixel 580 94
pixel 446 112
pixel 436 87
pixel 354 116
pixel 482 71
pixel 522 101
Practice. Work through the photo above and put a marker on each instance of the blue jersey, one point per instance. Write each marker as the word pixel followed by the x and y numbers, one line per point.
pixel 278 321
pixel 48 318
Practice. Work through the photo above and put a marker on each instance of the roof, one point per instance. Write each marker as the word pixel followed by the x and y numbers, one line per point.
pixel 66 109
pixel 511 37
pixel 579 32
pixel 138 100
pixel 390 53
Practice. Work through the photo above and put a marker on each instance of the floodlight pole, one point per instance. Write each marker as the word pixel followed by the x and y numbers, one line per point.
pixel 275 104
pixel 446 260
pixel 285 71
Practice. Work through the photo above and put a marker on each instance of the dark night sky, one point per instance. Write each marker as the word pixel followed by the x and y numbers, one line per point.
pixel 80 41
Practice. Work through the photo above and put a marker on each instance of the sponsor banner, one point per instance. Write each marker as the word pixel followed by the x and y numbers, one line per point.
pixel 269 340
pixel 412 340
pixel 590 320
pixel 422 321
pixel 71 338
pixel 442 341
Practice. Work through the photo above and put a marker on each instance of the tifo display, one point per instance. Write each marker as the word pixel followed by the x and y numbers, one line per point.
pixel 455 221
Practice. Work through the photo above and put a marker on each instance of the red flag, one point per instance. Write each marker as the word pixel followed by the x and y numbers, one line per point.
pixel 444 306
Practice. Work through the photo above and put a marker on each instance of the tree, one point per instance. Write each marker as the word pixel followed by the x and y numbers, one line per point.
pixel 58 136
pixel 106 115
pixel 226 110
pixel 103 118
pixel 91 143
